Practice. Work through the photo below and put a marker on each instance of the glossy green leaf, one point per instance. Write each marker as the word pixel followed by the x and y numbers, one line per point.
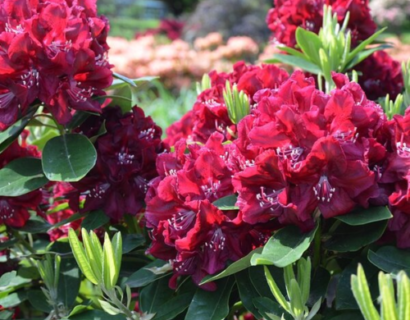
pixel 388 303
pixel 21 176
pixel 207 305
pixel 96 315
pixel 155 295
pixel 39 301
pixel 11 133
pixel 390 259
pixel 94 219
pixel 109 308
pixel 233 268
pixel 144 277
pixel 269 309
pixel 14 299
pixel 285 247
pixel 80 257
pixel 344 295
pixel 403 296
pixel 310 44
pixel 227 203
pixel 361 292
pixel 36 225
pixel 69 282
pixel 109 270
pixel 364 54
pixel 348 238
pixel 11 279
pixel 117 248
pixel 361 216
pixel 131 242
pixel 296 62
pixel 68 157
pixel 173 307
pixel 6 315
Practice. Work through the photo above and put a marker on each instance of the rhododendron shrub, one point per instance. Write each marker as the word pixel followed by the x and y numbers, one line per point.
pixel 273 182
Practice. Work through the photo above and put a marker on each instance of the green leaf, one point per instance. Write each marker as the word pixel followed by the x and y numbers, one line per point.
pixel 320 282
pixel 69 282
pixel 344 295
pixel 173 307
pixel 109 308
pixel 11 279
pixel 39 301
pixel 14 299
pixel 131 242
pixel 390 259
pixel 207 305
pixel 268 308
pixel 361 292
pixel 310 44
pixel 94 219
pixel 21 176
pixel 80 257
pixel 296 62
pixel 7 244
pixel 109 270
pixel 11 133
pixel 388 303
pixel 6 315
pixel 35 225
pixel 233 268
pixel 348 238
pixel 403 296
pixel 96 315
pixel 360 217
pixel 364 54
pixel 144 277
pixel 155 295
pixel 123 81
pixel 68 157
pixel 285 247
pixel 227 203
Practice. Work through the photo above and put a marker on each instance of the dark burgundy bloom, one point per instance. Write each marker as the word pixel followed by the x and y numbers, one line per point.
pixel 209 113
pixel 125 164
pixel 288 15
pixel 380 75
pixel 54 52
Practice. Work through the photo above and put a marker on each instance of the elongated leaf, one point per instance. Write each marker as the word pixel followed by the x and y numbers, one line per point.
pixel 39 301
pixel 284 248
pixel 310 44
pixel 360 217
pixel 69 282
pixel 80 257
pixel 296 62
pixel 214 305
pixel 269 309
pixel 131 242
pixel 235 267
pixel 227 203
pixel 364 54
pixel 96 315
pixel 388 302
pixel 14 299
pixel 173 307
pixel 94 219
pixel 390 259
pixel 68 157
pixel 347 238
pixel 276 291
pixel 110 272
pixel 123 81
pixel 117 247
pixel 93 254
pixel 403 297
pixel 361 292
pixel 21 176
pixel 155 295
pixel 144 277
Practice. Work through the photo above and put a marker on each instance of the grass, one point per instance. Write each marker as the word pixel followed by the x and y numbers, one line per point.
pixel 127 27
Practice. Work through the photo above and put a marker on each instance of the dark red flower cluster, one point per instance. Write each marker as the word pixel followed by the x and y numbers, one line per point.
pixel 14 211
pixel 288 15
pixel 380 75
pixel 126 162
pixel 186 227
pixel 299 154
pixel 54 52
pixel 396 173
pixel 210 114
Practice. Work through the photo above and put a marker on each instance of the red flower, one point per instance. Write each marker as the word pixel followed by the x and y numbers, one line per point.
pixel 125 164
pixel 380 75
pixel 52 51
pixel 288 15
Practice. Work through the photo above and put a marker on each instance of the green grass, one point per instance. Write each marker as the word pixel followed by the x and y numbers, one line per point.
pixel 127 27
